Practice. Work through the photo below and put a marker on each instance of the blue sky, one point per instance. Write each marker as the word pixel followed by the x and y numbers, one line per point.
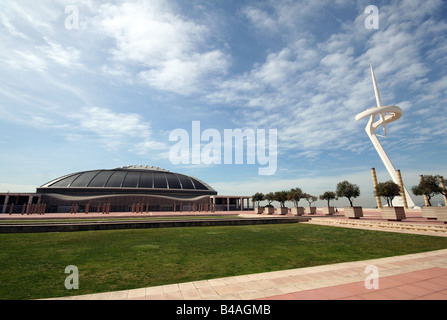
pixel 108 92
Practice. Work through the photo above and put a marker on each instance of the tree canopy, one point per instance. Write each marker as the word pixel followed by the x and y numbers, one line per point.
pixel 257 197
pixel 328 196
pixel 270 197
pixel 310 199
pixel 281 197
pixel 388 190
pixel 428 186
pixel 296 195
pixel 348 190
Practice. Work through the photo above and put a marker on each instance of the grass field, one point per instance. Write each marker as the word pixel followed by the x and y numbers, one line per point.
pixel 32 265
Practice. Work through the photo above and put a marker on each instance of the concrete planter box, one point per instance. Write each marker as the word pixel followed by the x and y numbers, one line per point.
pixel 282 211
pixel 441 214
pixel 311 210
pixel 298 211
pixel 269 210
pixel 393 213
pixel 429 212
pixel 328 210
pixel 259 210
pixel 353 212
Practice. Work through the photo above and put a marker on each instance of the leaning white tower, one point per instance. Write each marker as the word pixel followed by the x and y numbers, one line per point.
pixel 386 114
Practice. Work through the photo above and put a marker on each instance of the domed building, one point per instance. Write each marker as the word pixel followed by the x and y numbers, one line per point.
pixel 130 188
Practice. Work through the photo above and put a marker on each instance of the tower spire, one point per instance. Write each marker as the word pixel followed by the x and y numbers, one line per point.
pixel 376 87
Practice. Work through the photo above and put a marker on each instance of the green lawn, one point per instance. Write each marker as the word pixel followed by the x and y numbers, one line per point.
pixel 32 265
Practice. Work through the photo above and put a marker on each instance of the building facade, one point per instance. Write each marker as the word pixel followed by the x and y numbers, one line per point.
pixel 124 189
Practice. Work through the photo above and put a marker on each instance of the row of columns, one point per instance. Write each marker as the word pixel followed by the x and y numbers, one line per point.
pixel 7 196
pixel 239 205
pixel 32 208
pixel 199 207
pixel 402 189
pixel 105 208
pixel 401 185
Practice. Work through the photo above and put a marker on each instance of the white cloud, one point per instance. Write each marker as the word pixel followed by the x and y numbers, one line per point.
pixel 14 187
pixel 169 50
pixel 114 129
pixel 312 89
pixel 260 18
pixel 68 57
pixel 183 76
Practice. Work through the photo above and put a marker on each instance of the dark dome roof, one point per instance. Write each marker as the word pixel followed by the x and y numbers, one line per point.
pixel 129 177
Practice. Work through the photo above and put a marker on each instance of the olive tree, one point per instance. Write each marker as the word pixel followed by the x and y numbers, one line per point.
pixel 328 196
pixel 428 186
pixel 348 190
pixel 281 197
pixel 257 198
pixel 295 195
pixel 310 199
pixel 388 190
pixel 269 197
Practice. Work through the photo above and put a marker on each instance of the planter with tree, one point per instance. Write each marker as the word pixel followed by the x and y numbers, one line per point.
pixel 295 195
pixel 310 199
pixel 269 197
pixel 389 190
pixel 428 187
pixel 257 198
pixel 282 197
pixel 350 191
pixel 328 196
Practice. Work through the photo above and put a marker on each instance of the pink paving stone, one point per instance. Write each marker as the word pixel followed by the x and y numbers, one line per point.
pixel 308 295
pixel 413 285
pixel 355 288
pixel 430 284
pixel 351 298
pixel 373 296
pixel 439 281
pixel 417 290
pixel 398 293
pixel 287 296
pixel 385 283
pixel 337 292
pixel 434 296
pixel 405 278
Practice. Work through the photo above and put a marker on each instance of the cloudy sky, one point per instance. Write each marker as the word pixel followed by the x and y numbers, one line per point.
pixel 102 84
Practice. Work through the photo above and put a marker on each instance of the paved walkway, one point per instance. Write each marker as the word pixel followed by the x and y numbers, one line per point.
pixel 408 277
pixel 415 276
